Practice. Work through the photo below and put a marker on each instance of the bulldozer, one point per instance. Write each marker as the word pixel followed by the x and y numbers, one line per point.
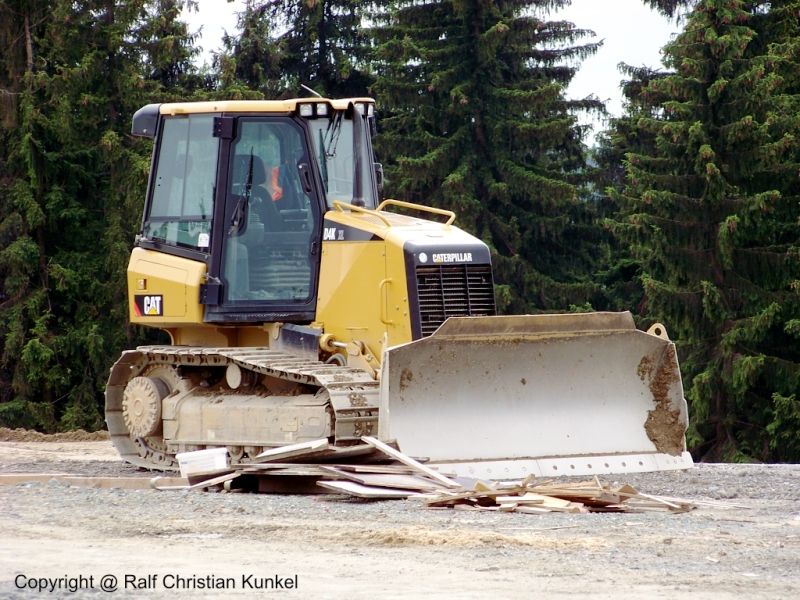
pixel 299 306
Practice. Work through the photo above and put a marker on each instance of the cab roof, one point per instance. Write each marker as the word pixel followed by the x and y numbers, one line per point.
pixel 254 106
pixel 145 120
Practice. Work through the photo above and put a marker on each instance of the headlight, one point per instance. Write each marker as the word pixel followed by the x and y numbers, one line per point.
pixel 310 110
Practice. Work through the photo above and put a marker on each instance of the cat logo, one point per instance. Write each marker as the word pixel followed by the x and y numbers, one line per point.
pixel 149 306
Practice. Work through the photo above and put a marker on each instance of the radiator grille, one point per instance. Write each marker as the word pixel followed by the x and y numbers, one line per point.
pixel 453 291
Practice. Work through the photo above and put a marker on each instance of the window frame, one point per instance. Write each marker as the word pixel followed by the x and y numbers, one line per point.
pixel 368 182
pixel 219 311
pixel 183 251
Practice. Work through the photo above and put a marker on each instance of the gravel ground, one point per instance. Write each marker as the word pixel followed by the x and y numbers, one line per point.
pixel 743 541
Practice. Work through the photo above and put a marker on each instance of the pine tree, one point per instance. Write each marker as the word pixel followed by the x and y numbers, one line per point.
pixel 282 44
pixel 167 47
pixel 622 277
pixel 712 214
pixel 251 58
pixel 670 8
pixel 72 186
pixel 478 123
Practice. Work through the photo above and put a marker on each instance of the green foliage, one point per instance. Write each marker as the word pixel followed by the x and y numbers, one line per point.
pixel 72 183
pixel 783 427
pixel 475 119
pixel 710 212
pixel 282 44
pixel 698 180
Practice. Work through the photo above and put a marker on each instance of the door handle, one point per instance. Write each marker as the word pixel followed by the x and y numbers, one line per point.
pixel 384 302
pixel 305 178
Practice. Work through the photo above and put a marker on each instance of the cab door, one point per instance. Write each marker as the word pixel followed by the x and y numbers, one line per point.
pixel 265 259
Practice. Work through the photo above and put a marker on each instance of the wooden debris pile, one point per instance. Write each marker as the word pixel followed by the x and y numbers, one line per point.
pixel 534 497
pixel 376 470
pixel 371 469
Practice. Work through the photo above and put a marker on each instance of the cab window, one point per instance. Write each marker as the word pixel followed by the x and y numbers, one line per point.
pixel 270 221
pixel 335 151
pixel 183 186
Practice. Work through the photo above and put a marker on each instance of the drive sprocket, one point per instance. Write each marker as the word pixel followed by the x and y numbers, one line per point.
pixel 141 405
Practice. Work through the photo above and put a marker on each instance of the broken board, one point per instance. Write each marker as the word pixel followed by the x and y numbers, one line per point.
pixel 364 491
pixel 407 460
pixel 388 480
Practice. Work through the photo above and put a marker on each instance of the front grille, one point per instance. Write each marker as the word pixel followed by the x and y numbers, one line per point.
pixel 453 291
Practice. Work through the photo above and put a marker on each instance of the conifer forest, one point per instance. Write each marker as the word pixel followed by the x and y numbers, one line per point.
pixel 685 210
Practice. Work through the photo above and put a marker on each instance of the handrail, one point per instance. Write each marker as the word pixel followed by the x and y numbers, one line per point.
pixel 451 216
pixel 340 206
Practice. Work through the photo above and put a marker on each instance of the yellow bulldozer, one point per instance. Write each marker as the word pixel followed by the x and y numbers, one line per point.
pixel 299 306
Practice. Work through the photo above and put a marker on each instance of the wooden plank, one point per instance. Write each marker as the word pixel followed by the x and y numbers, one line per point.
pixel 446 499
pixel 213 481
pixel 201 477
pixel 17 478
pixel 452 495
pixel 658 500
pixel 539 500
pixel 388 469
pixel 407 460
pixel 389 480
pixel 332 455
pixel 526 499
pixel 709 503
pixel 584 496
pixel 470 483
pixel 292 450
pixel 166 480
pixel 270 466
pixel 363 491
pixel 120 483
pixel 533 510
pixel 165 484
pixel 411 482
pixel 298 470
pixel 193 483
pixel 359 453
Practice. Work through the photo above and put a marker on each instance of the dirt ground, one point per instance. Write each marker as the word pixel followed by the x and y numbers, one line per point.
pixel 743 542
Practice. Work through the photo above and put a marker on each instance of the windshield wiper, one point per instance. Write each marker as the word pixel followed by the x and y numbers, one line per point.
pixel 332 135
pixel 244 200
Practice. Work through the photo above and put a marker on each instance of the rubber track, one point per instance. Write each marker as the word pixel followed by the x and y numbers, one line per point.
pixel 354 394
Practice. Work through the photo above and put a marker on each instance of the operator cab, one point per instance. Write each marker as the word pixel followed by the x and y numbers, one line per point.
pixel 243 187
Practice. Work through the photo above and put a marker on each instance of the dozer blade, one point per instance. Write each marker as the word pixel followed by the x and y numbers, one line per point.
pixel 548 395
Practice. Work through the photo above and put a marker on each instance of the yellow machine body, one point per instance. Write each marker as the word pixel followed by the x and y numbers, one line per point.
pixel 387 325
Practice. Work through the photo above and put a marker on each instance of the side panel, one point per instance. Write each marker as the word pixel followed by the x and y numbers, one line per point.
pixel 163 289
pixel 398 303
pixel 363 292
